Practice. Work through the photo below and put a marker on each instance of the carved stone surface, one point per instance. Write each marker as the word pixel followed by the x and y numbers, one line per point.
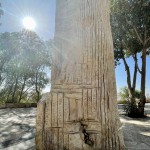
pixel 80 112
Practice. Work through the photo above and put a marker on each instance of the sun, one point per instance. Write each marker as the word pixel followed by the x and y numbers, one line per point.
pixel 29 23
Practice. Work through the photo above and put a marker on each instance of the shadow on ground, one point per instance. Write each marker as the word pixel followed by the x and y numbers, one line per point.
pixel 17 129
pixel 136 130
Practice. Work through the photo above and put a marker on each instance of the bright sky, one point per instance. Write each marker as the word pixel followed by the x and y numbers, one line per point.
pixel 121 74
pixel 43 12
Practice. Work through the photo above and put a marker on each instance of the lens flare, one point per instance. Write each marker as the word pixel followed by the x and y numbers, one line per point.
pixel 29 23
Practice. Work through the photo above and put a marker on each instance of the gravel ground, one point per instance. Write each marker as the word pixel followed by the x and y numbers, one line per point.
pixel 17 129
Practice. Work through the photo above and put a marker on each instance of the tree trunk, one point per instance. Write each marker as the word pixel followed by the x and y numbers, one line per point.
pixel 132 109
pixel 130 89
pixel 81 110
pixel 23 86
pixel 142 102
pixel 36 87
pixel 9 92
pixel 134 76
pixel 131 86
pixel 15 88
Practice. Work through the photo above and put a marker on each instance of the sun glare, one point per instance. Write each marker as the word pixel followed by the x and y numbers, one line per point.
pixel 29 23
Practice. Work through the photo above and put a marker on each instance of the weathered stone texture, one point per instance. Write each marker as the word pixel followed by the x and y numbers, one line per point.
pixel 81 110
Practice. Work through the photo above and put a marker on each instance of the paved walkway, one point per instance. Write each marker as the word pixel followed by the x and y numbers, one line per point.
pixel 17 130
pixel 136 131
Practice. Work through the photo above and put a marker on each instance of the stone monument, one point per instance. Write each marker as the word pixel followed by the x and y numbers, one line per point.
pixel 80 112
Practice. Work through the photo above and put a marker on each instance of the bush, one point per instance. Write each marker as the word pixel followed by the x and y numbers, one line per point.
pixel 122 102
pixel 131 109
pixel 124 93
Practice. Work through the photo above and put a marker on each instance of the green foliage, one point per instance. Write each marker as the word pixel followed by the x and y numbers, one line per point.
pixel 1 11
pixel 124 94
pixel 130 106
pixel 131 109
pixel 23 59
pixel 122 101
pixel 130 23
pixel 137 94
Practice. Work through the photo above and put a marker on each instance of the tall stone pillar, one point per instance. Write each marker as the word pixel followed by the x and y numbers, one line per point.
pixel 81 110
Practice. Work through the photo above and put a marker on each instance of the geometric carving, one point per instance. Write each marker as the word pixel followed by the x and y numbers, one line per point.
pixel 81 109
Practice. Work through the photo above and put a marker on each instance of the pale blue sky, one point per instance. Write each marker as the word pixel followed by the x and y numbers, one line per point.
pixel 43 11
pixel 121 74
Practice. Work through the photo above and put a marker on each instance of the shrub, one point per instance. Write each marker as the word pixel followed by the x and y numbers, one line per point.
pixel 131 109
pixel 121 101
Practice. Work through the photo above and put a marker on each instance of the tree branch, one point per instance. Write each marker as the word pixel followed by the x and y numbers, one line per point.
pixel 134 78
pixel 127 70
pixel 138 35
pixel 136 62
pixel 147 40
pixel 136 32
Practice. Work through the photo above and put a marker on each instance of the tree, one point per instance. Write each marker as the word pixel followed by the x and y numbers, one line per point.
pixel 129 108
pixel 24 57
pixel 1 11
pixel 130 25
pixel 141 27
pixel 7 52
pixel 81 110
pixel 125 44
pixel 1 63
pixel 124 94
pixel 38 57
